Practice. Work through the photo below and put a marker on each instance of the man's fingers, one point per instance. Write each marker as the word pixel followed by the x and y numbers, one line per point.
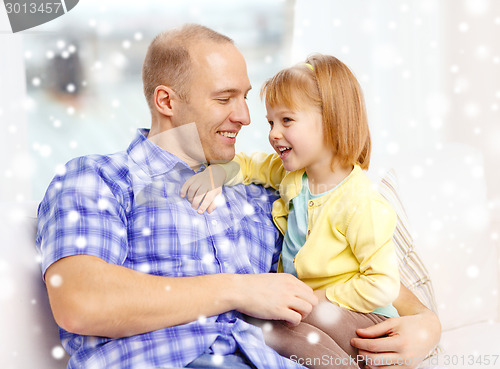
pixel 376 345
pixel 377 330
pixel 301 306
pixel 292 317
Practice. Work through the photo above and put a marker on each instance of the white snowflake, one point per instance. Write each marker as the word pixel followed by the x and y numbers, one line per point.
pixel 144 268
pixel 56 280
pixel 81 242
pixel 102 204
pixel 58 352
pixel 267 327
pixel 463 27
pixel 472 271
pixel 73 216
pixel 217 359
pixel 248 209
pixel 313 338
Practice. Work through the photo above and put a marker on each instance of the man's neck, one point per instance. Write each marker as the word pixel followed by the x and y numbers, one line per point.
pixel 182 141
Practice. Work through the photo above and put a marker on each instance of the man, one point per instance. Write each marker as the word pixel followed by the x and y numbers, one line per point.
pixel 137 279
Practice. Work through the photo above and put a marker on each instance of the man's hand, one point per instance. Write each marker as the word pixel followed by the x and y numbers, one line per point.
pixel 399 342
pixel 202 189
pixel 276 296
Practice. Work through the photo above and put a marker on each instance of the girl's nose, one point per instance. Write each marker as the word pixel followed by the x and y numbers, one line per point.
pixel 275 133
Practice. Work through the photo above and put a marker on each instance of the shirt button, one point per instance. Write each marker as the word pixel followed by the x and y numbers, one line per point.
pixel 214 222
pixel 311 203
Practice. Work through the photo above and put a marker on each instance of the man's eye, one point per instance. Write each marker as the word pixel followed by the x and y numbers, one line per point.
pixel 224 100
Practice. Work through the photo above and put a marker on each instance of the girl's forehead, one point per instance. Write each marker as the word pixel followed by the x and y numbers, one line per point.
pixel 279 108
pixel 282 109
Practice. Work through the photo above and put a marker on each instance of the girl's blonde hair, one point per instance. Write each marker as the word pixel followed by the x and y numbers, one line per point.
pixel 325 82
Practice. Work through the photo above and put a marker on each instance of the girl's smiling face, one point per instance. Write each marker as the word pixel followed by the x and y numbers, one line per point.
pixel 297 136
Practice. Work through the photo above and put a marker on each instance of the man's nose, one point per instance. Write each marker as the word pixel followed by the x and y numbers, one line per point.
pixel 241 114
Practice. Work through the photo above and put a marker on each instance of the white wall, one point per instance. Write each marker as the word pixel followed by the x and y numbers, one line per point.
pixel 15 163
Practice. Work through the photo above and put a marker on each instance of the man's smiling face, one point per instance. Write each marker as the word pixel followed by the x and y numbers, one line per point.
pixel 217 98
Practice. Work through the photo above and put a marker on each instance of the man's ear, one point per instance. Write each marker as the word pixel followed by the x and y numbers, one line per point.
pixel 163 98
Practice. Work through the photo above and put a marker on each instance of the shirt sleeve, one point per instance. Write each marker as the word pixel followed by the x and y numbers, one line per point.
pixel 258 168
pixel 81 214
pixel 369 234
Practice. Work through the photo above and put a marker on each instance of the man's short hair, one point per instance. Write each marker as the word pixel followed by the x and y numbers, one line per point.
pixel 168 60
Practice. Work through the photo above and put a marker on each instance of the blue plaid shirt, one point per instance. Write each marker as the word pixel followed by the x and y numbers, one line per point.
pixel 125 208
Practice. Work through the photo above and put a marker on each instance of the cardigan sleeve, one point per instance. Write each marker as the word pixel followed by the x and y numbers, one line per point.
pixel 258 168
pixel 369 233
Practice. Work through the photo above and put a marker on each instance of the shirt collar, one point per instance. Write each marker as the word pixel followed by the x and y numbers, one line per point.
pixel 151 158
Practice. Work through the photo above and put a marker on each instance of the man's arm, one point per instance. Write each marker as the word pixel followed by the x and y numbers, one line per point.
pixel 403 341
pixel 89 296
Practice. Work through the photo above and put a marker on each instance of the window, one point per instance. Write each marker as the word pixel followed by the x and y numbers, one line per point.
pixel 83 72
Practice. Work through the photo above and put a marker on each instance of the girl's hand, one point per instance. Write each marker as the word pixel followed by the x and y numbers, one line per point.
pixel 202 189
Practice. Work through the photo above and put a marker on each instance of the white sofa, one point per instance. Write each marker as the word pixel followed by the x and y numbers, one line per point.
pixel 445 195
pixel 455 245
pixel 29 336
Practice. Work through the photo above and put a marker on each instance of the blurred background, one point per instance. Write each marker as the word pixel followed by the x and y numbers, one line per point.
pixel 430 71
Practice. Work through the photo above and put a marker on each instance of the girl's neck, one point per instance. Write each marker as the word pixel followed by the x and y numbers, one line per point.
pixel 321 181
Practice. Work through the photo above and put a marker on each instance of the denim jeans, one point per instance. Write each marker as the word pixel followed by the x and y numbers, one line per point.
pixel 210 361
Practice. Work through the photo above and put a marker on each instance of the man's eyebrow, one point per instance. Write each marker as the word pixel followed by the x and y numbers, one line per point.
pixel 232 91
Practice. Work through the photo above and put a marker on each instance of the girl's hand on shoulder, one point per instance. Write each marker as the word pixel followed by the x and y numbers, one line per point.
pixel 202 189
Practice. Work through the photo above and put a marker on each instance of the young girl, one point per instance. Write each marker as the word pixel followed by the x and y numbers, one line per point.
pixel 337 228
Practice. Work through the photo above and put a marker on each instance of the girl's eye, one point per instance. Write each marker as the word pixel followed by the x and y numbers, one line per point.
pixel 287 120
pixel 270 123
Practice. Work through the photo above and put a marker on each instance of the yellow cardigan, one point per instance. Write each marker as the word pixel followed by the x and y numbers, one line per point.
pixel 348 250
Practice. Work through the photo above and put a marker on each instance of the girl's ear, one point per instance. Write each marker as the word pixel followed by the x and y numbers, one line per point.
pixel 163 97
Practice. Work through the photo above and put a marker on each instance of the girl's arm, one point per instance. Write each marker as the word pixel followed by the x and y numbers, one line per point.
pixel 203 188
pixel 369 234
pixel 258 168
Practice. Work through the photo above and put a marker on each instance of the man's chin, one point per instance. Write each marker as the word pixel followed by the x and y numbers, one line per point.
pixel 221 159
